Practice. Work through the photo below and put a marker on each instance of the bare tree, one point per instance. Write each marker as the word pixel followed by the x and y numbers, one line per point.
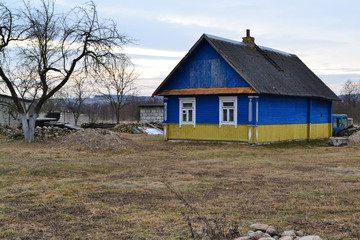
pixel 48 48
pixel 74 95
pixel 350 93
pixel 350 104
pixel 116 84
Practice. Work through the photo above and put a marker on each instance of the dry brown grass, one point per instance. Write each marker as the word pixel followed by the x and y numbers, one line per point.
pixel 53 192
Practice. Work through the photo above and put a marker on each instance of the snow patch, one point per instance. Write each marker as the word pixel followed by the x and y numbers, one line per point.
pixel 153 131
pixel 276 51
pixel 225 40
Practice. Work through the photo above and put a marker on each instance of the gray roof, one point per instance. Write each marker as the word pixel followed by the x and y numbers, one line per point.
pixel 271 71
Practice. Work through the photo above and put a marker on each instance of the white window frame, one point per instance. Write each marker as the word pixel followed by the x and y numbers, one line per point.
pixel 221 108
pixel 165 109
pixel 181 109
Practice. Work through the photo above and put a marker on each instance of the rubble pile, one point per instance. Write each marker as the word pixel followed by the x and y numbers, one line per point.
pixel 348 131
pixel 136 127
pixel 97 140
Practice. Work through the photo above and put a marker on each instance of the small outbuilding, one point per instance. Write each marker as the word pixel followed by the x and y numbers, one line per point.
pixel 152 112
pixel 225 90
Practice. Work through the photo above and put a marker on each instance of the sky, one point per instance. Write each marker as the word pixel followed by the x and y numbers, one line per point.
pixel 324 34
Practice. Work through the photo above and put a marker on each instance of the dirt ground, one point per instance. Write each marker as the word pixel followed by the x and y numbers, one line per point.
pixel 66 190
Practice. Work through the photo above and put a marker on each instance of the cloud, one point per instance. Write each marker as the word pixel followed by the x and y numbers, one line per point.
pixel 153 52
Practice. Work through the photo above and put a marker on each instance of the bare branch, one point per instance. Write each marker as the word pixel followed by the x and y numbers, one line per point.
pixel 53 47
pixel 116 83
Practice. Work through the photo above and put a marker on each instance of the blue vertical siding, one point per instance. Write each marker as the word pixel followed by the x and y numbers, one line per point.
pixel 207 109
pixel 292 110
pixel 243 109
pixel 173 109
pixel 204 68
pixel 320 111
pixel 282 110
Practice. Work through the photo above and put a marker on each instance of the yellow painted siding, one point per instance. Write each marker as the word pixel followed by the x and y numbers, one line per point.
pixel 210 132
pixel 245 133
pixel 282 132
pixel 323 130
pixel 286 132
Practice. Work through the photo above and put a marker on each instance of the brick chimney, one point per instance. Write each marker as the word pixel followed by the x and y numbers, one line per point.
pixel 250 41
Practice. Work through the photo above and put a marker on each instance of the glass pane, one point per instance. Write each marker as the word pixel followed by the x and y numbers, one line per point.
pixel 338 122
pixel 345 122
pixel 231 115
pixel 228 104
pixel 184 116
pixel 225 115
pixel 188 105
pixel 190 116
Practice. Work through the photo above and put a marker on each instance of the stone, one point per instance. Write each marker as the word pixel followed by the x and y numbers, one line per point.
pixel 271 230
pixel 290 233
pixel 338 141
pixel 250 233
pixel 206 238
pixel 243 238
pixel 276 237
pixel 297 238
pixel 286 238
pixel 311 237
pixel 259 227
pixel 266 238
pixel 299 233
pixel 256 235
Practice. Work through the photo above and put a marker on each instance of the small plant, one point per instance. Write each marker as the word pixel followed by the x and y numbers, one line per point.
pixel 212 228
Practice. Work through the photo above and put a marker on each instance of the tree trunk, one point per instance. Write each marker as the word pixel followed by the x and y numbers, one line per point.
pixel 117 118
pixel 28 127
pixel 76 118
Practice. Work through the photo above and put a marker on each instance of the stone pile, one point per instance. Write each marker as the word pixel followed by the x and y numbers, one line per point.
pixel 338 141
pixel 51 132
pixel 260 231
pixel 13 133
pixel 40 132
pixel 134 127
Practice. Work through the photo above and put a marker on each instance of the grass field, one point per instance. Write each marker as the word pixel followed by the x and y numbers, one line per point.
pixel 53 192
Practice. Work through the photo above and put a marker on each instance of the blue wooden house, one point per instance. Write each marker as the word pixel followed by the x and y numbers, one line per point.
pixel 226 90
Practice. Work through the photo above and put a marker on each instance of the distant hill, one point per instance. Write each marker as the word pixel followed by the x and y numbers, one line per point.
pixel 102 99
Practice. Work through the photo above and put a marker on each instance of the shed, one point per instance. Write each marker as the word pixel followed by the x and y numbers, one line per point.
pixel 151 112
pixel 225 90
pixel 8 112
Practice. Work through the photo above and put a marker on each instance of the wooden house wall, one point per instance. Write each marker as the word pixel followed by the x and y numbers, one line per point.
pixel 272 110
pixel 280 119
pixel 205 68
pixel 292 110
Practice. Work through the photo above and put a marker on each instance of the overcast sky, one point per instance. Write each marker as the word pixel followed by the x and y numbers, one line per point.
pixel 324 34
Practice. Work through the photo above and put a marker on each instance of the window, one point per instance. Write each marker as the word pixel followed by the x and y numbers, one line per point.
pixel 187 111
pixel 228 111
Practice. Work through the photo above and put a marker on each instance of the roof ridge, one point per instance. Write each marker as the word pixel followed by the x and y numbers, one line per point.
pixel 224 39
pixel 244 44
